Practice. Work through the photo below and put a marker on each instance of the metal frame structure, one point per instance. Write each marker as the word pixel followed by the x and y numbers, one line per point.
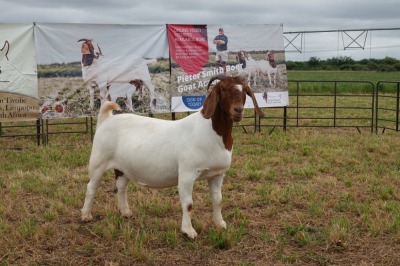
pixel 355 42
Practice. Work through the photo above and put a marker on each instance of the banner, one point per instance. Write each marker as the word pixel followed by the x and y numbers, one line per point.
pixel 56 70
pixel 18 73
pixel 255 52
pixel 82 65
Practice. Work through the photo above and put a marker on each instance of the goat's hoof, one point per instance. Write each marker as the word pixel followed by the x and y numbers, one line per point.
pixel 126 214
pixel 190 233
pixel 221 224
pixel 87 218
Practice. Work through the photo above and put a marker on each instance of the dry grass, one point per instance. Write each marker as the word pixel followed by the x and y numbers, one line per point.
pixel 302 197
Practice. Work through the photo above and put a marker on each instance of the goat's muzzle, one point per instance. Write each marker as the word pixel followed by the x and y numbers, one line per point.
pixel 237 113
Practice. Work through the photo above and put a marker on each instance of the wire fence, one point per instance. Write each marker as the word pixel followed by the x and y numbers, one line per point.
pixel 321 104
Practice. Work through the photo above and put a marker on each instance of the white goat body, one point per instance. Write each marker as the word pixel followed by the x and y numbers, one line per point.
pixel 159 153
pixel 163 138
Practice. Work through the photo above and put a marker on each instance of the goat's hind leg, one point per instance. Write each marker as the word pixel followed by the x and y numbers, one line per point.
pixel 91 88
pixel 95 176
pixel 122 187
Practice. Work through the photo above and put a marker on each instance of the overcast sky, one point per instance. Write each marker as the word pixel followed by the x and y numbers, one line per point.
pixel 306 15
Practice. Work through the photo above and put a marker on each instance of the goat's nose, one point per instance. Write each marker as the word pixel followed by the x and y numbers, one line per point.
pixel 238 109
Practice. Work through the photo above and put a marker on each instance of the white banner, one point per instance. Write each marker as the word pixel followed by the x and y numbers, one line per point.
pixel 82 65
pixel 18 73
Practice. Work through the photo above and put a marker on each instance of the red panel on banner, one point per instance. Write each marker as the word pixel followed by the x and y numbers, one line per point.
pixel 188 46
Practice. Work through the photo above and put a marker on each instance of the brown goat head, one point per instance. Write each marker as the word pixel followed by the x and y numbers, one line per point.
pixel 229 95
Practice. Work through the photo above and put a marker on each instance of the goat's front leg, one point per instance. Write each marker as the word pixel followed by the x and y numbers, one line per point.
pixel 91 88
pixel 128 102
pixel 269 78
pixel 185 188
pixel 215 185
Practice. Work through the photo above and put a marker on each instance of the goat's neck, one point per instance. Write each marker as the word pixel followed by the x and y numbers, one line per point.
pixel 222 124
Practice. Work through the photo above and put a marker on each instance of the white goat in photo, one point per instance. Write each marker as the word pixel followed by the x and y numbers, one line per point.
pixel 268 67
pixel 101 71
pixel 249 66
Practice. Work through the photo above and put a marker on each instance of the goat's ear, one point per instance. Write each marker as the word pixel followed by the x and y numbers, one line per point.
pixel 250 92
pixel 210 103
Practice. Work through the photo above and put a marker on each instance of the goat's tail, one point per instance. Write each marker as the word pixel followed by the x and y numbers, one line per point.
pixel 106 111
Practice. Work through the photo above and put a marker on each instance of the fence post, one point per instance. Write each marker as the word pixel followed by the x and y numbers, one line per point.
pixel 38 131
pixel 284 118
pixel 334 104
pixel 91 128
pixel 397 107
pixel 376 106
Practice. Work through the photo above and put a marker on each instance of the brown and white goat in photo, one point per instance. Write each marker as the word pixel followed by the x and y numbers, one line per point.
pixel 162 153
pixel 268 67
pixel 101 71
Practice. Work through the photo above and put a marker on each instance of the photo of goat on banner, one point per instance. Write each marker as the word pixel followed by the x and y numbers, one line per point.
pixel 80 66
pixel 254 52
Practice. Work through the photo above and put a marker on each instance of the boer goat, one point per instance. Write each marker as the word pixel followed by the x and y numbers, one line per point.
pixel 249 66
pixel 268 67
pixel 100 71
pixel 159 153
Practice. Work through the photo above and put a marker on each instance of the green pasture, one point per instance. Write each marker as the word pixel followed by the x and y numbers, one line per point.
pixel 305 196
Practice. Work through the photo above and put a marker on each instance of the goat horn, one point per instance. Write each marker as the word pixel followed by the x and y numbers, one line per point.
pixel 218 77
pixel 250 92
pixel 101 53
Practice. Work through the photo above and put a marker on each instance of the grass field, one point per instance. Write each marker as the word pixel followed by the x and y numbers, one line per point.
pixel 328 196
pixel 315 197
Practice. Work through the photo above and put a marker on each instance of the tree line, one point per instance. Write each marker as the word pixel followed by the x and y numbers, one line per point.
pixel 387 64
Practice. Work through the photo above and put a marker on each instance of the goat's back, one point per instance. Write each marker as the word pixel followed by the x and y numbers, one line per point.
pixel 153 151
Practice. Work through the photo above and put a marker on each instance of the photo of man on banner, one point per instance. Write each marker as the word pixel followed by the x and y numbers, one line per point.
pixel 221 42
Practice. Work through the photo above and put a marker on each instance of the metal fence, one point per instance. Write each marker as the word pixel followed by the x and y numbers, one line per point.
pixel 387 105
pixel 324 104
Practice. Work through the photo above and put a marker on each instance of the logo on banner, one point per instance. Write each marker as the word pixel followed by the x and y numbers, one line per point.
pixel 193 102
pixel 188 46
